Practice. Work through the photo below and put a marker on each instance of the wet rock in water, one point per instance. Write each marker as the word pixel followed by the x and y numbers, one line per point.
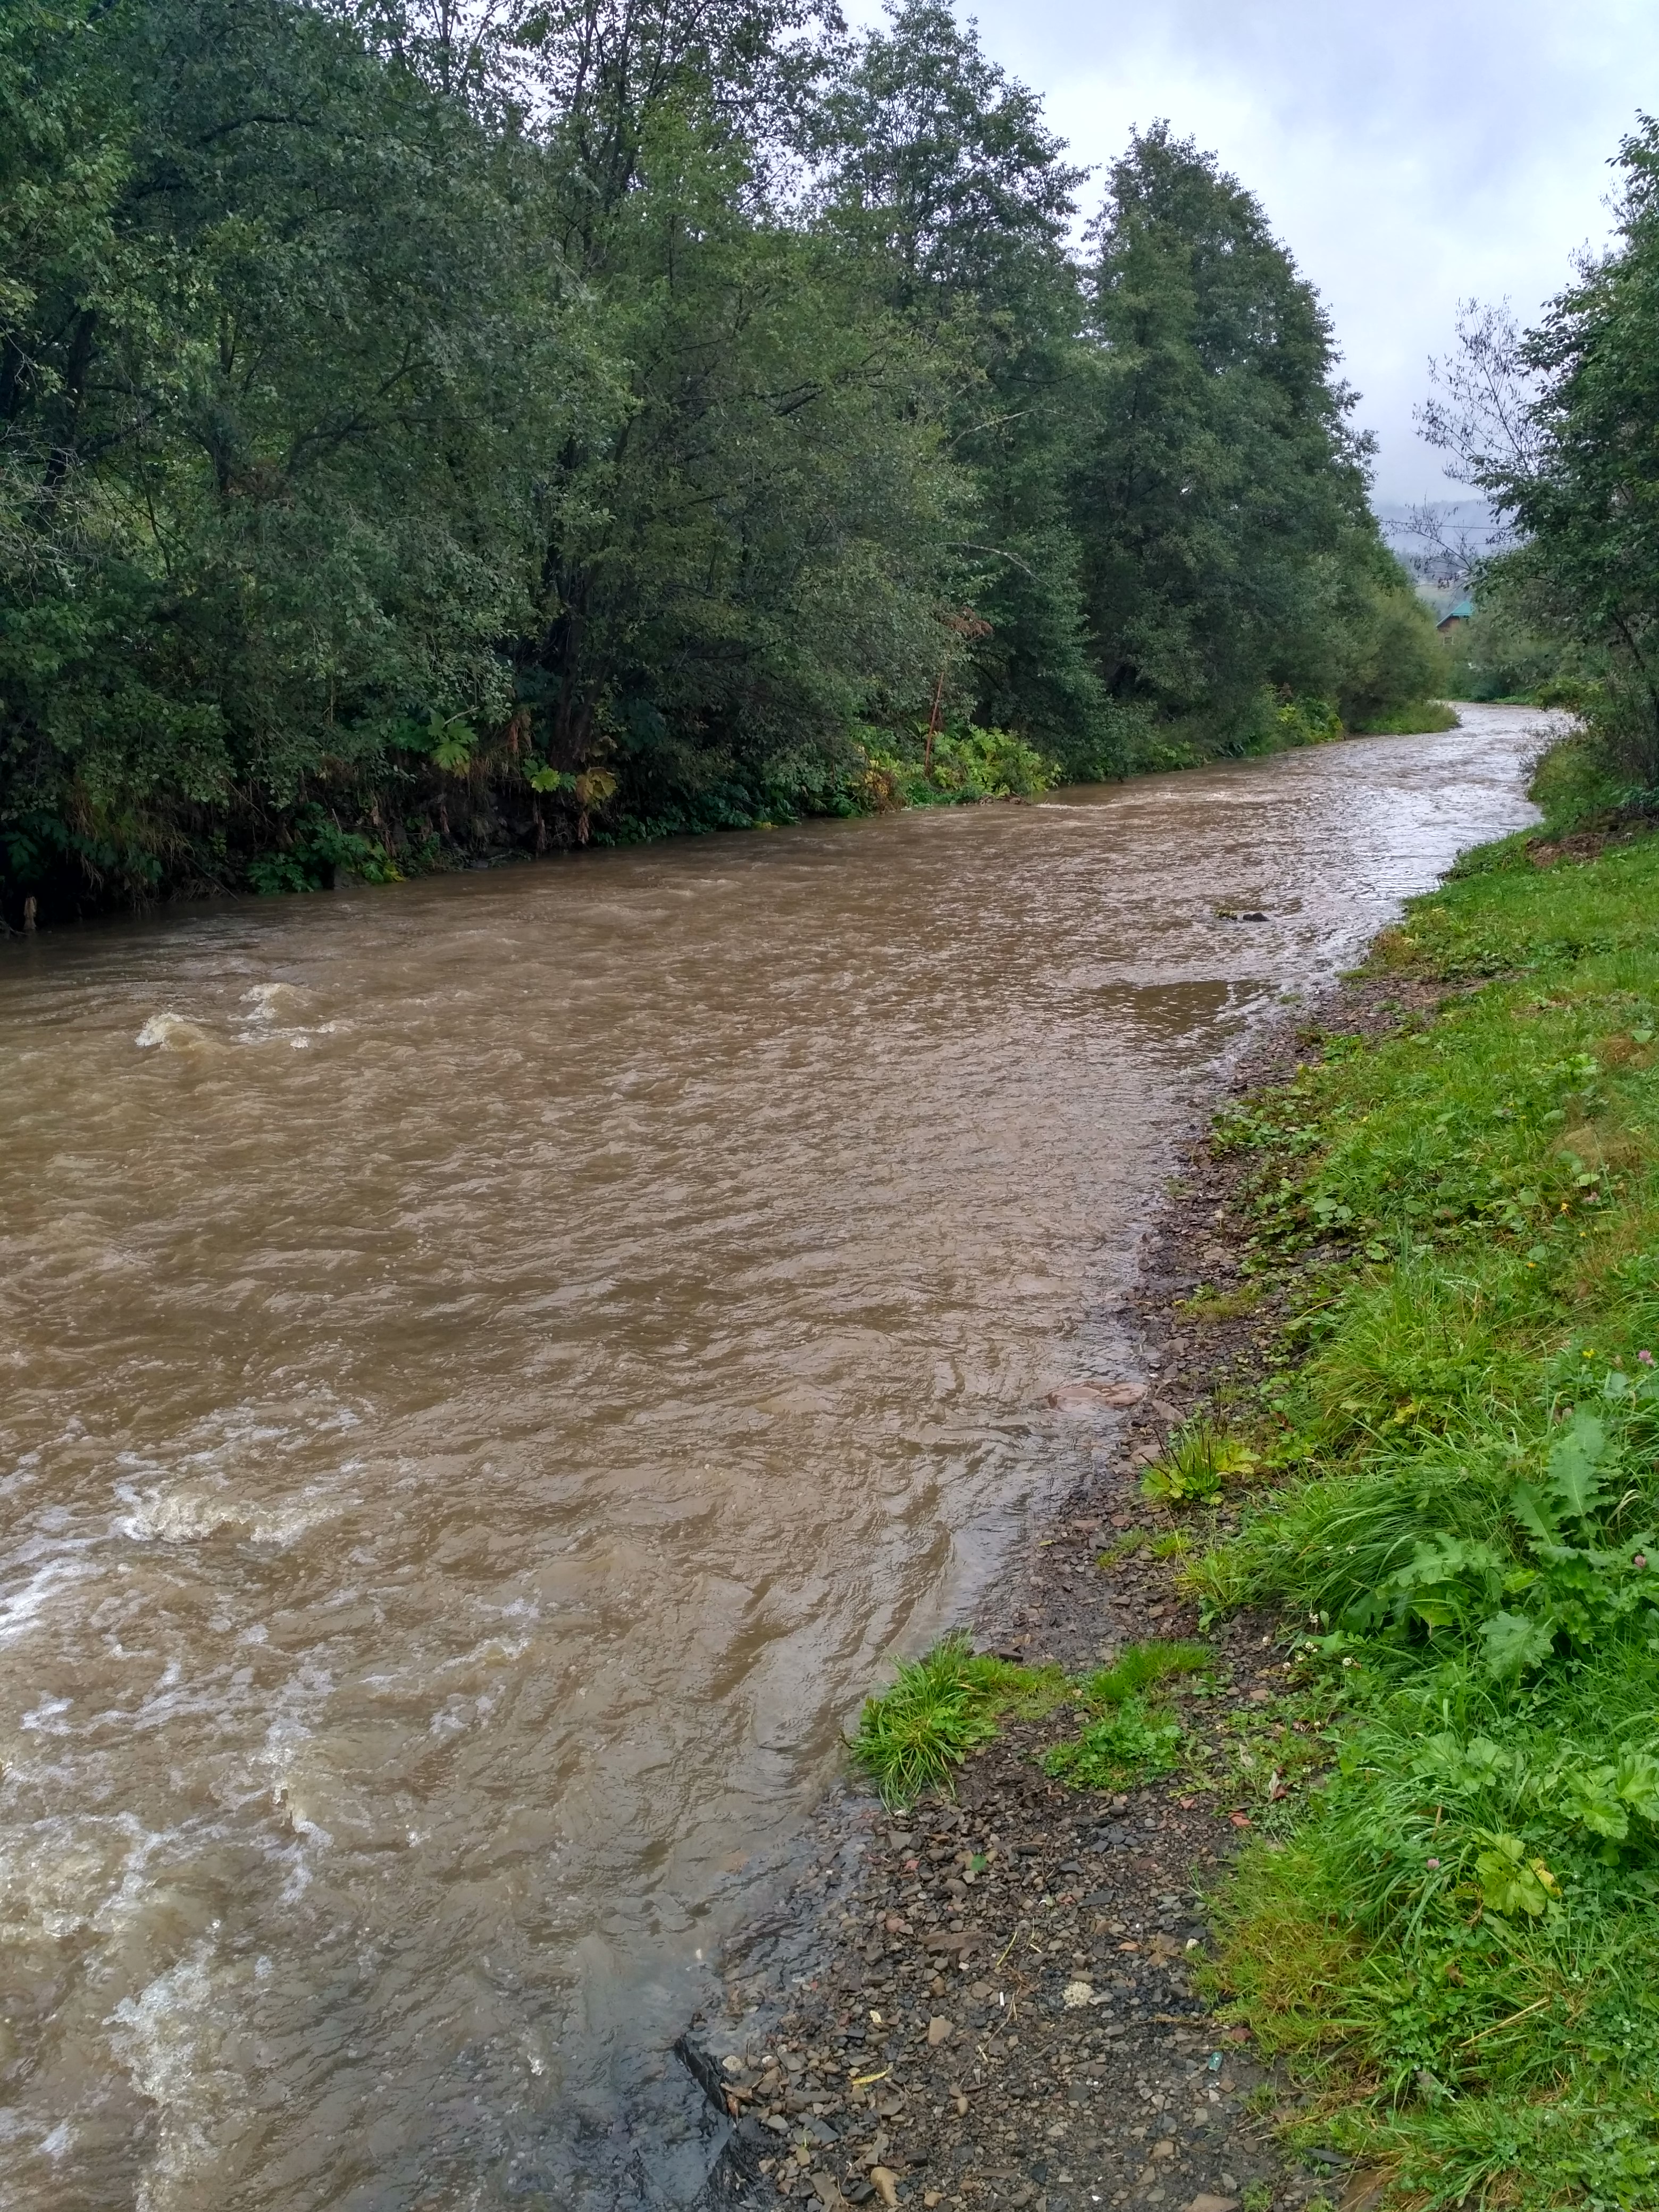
pixel 1085 1397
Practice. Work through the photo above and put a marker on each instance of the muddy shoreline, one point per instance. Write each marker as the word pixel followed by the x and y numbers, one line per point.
pixel 990 2002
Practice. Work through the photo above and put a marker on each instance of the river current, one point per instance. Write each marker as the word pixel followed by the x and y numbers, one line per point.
pixel 492 1368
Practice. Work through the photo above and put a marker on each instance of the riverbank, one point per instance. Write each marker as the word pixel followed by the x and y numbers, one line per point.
pixel 456 807
pixel 1406 1276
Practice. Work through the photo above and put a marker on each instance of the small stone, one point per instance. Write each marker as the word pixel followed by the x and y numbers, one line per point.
pixel 941 2030
pixel 1077 1397
pixel 828 2194
pixel 886 2185
pixel 1205 2202
pixel 1164 2149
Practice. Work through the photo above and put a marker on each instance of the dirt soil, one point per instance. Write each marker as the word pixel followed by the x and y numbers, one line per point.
pixel 988 2003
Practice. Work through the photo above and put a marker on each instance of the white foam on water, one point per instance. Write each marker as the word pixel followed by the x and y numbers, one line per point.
pixel 288 1755
pixel 74 1872
pixel 20 1607
pixel 269 1002
pixel 187 1515
pixel 171 1032
pixel 169 2038
pixel 275 1017
pixel 46 1718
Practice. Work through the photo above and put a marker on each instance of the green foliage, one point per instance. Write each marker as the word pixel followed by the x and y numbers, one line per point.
pixel 319 855
pixel 1497 655
pixel 1134 1742
pixel 950 1702
pixel 1574 787
pixel 957 768
pixel 1557 426
pixel 941 1707
pixel 1231 551
pixel 1120 1548
pixel 1138 1667
pixel 1198 1460
pixel 1134 1739
pixel 1467 1528
pixel 618 427
pixel 1396 671
pixel 1408 719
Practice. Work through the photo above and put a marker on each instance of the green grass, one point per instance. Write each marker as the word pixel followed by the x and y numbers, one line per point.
pixel 1133 1743
pixel 1134 1737
pixel 1121 1548
pixel 1140 1667
pixel 942 1706
pixel 1459 1527
pixel 912 1737
pixel 1198 1460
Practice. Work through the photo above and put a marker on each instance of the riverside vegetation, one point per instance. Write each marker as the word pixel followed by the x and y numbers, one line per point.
pixel 1556 427
pixel 429 434
pixel 1446 1489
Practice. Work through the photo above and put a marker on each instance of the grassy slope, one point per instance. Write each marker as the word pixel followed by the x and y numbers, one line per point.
pixel 1461 1936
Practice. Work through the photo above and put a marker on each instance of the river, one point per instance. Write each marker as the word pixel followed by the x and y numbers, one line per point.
pixel 492 1368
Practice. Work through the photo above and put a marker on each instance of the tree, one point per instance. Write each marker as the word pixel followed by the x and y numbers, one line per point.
pixel 938 172
pixel 1559 427
pixel 1229 545
pixel 270 405
pixel 753 549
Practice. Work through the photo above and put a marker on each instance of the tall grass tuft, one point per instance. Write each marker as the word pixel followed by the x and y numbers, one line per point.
pixel 912 1737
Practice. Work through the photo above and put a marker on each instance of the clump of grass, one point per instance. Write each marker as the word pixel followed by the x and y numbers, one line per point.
pixel 1121 1548
pixel 1208 1303
pixel 1131 1743
pixel 1197 1461
pixel 1134 1738
pixel 940 1708
pixel 1140 1667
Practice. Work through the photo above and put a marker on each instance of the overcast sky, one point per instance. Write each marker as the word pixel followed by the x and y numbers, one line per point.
pixel 1409 155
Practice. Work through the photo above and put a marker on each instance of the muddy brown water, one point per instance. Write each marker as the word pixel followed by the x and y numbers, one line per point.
pixel 491 1369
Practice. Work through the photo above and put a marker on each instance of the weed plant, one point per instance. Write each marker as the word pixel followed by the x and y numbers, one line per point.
pixel 1135 1738
pixel 1132 1743
pixel 1197 1461
pixel 1459 1526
